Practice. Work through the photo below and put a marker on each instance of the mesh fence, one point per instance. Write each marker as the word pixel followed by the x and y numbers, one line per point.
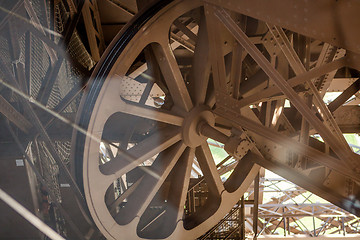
pixel 40 64
pixel 37 65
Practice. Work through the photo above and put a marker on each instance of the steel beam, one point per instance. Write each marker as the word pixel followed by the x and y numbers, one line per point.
pixel 286 88
pixel 340 100
pixel 256 205
pixel 298 67
pixel 274 136
pixel 300 79
pixel 14 116
pixel 306 183
pixel 216 49
pixel 329 21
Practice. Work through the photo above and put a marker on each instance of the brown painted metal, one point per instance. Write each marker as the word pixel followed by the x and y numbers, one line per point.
pixel 340 100
pixel 328 21
pixel 14 116
pixel 218 74
pixel 281 83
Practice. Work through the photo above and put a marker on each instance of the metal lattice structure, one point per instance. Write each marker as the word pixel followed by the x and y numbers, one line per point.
pixel 126 119
pixel 287 213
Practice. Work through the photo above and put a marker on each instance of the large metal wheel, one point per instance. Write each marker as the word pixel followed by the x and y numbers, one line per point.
pixel 152 109
pixel 152 141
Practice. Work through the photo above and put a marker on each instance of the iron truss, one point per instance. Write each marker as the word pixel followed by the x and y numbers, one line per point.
pixel 289 211
pixel 113 113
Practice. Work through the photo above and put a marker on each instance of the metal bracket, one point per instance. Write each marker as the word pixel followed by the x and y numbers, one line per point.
pixel 238 144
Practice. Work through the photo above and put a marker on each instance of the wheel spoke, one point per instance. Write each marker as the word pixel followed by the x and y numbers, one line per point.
pixel 125 195
pixel 113 103
pixel 172 75
pixel 174 204
pixel 241 170
pixel 180 184
pixel 216 50
pixel 200 70
pixel 208 167
pixel 150 185
pixel 153 114
pixel 128 160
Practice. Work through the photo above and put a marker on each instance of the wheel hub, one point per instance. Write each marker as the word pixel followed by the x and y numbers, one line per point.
pixel 198 115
